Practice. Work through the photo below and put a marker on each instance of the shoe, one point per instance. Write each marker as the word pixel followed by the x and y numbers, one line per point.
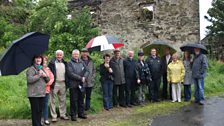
pixel 179 101
pixel 201 103
pixel 124 106
pixel 64 118
pixel 46 122
pixel 134 104
pixel 73 118
pixel 54 120
pixel 82 116
pixel 196 101
pixel 173 101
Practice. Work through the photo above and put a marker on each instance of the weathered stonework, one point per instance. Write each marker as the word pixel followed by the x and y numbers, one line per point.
pixel 175 21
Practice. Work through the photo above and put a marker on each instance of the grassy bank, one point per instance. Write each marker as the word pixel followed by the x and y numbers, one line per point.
pixel 14 103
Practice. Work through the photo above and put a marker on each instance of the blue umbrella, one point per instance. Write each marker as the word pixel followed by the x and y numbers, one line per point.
pixel 20 54
pixel 190 48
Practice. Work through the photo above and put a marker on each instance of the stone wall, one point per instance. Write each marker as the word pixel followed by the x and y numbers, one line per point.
pixel 175 21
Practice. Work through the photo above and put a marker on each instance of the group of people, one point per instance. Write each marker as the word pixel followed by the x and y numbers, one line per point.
pixel 124 81
pixel 52 80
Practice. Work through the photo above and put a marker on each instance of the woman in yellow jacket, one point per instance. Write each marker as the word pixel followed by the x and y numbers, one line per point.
pixel 175 76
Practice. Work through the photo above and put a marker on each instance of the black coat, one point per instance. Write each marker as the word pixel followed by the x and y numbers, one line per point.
pixel 164 65
pixel 52 67
pixel 155 67
pixel 105 74
pixel 129 69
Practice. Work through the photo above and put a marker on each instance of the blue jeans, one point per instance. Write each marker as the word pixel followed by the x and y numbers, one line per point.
pixel 187 92
pixel 45 106
pixel 199 89
pixel 107 87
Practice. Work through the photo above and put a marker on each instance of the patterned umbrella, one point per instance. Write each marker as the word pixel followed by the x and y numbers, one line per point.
pixel 104 42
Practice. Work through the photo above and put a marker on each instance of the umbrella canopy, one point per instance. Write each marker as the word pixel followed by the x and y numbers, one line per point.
pixel 20 54
pixel 160 46
pixel 191 47
pixel 104 42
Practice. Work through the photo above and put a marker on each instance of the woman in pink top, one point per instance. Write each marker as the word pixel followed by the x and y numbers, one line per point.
pixel 51 76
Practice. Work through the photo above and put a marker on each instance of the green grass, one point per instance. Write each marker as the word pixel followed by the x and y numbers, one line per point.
pixel 14 102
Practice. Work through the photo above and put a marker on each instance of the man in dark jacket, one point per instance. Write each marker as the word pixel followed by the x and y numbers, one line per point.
pixel 166 60
pixel 88 85
pixel 77 73
pixel 155 67
pixel 199 67
pixel 119 79
pixel 130 77
pixel 58 88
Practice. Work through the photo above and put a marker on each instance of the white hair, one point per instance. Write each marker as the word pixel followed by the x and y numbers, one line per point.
pixel 130 51
pixel 59 51
pixel 75 51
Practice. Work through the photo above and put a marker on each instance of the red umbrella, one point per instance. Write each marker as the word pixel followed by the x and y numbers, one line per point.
pixel 104 42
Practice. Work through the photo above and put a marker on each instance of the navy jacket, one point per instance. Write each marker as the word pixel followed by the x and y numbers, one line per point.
pixel 129 68
pixel 155 66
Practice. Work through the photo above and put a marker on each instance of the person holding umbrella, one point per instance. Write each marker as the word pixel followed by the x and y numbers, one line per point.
pixel 107 80
pixel 199 67
pixel 155 67
pixel 36 81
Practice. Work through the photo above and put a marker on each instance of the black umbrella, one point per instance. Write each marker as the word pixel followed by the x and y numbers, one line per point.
pixel 190 48
pixel 20 54
pixel 160 46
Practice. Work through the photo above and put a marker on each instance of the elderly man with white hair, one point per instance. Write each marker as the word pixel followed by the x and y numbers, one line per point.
pixel 58 88
pixel 77 73
pixel 130 77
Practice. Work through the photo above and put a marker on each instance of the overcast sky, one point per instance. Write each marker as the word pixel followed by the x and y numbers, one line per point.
pixel 204 6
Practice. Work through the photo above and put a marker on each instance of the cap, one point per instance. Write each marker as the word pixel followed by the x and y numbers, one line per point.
pixel 116 50
pixel 140 53
pixel 84 50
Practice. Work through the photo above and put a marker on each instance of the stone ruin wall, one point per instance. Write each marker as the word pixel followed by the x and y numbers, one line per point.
pixel 175 21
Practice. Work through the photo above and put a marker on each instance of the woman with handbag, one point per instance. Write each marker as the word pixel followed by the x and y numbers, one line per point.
pixel 36 82
pixel 107 79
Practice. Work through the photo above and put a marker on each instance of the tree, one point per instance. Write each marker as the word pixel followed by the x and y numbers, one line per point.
pixel 216 17
pixel 216 29
pixel 50 16
pixel 13 16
